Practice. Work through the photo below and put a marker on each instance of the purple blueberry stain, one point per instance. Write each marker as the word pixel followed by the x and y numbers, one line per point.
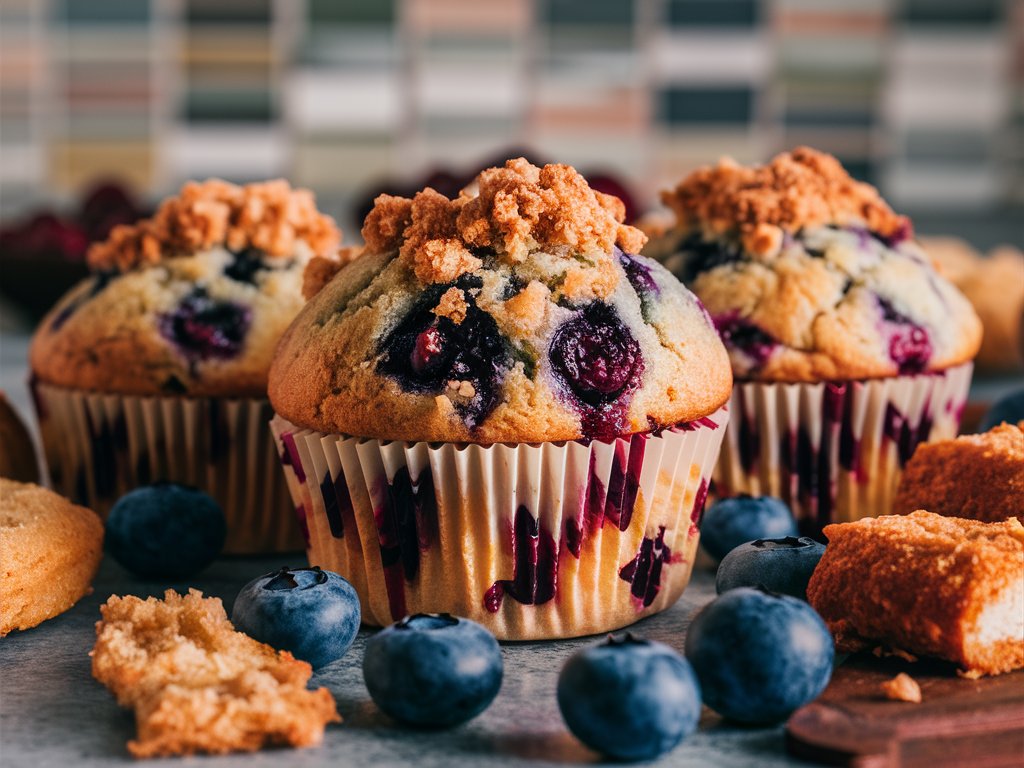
pixel 906 436
pixel 425 352
pixel 332 507
pixel 643 572
pixel 407 522
pixel 640 277
pixel 909 343
pixel 700 498
pixel 290 456
pixel 598 363
pixel 745 337
pixel 535 565
pixel 203 328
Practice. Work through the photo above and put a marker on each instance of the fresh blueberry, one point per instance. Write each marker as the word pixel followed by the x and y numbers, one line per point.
pixel 1009 408
pixel 165 530
pixel 312 613
pixel 628 698
pixel 759 655
pixel 433 669
pixel 782 565
pixel 204 328
pixel 737 520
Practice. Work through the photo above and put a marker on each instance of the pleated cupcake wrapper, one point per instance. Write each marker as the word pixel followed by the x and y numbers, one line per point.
pixel 835 451
pixel 98 447
pixel 532 541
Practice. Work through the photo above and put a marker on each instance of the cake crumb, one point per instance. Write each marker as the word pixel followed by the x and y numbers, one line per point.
pixel 197 685
pixel 321 269
pixel 802 188
pixel 525 310
pixel 902 688
pixel 270 216
pixel 452 305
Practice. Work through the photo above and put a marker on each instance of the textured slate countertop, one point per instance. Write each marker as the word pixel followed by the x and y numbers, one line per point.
pixel 53 714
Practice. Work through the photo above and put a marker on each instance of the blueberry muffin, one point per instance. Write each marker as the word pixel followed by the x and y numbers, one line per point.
pixel 155 367
pixel 192 301
pixel 813 280
pixel 519 319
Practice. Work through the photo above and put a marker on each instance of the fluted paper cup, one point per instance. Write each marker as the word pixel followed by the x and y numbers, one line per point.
pixel 531 540
pixel 835 450
pixel 98 447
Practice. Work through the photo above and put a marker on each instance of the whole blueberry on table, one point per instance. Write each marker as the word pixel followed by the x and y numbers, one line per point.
pixel 781 565
pixel 165 531
pixel 730 522
pixel 312 613
pixel 1009 408
pixel 759 655
pixel 433 669
pixel 628 698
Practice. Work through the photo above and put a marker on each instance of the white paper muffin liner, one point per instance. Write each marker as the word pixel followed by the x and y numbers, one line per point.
pixel 835 451
pixel 99 446
pixel 532 541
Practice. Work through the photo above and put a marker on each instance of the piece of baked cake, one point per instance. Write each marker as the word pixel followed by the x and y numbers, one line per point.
pixel 50 550
pixel 197 685
pixel 980 477
pixel 931 585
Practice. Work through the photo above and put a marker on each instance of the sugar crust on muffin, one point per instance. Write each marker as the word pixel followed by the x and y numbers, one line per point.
pixel 810 275
pixel 443 329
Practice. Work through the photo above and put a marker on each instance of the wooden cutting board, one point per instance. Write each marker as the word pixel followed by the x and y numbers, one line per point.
pixel 959 722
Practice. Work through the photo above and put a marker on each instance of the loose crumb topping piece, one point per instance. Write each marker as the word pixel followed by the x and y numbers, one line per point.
pixel 270 216
pixel 796 189
pixel 511 210
pixel 902 688
pixel 321 269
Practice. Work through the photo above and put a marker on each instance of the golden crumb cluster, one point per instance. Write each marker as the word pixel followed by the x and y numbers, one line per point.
pixel 321 269
pixel 796 189
pixel 270 216
pixel 513 210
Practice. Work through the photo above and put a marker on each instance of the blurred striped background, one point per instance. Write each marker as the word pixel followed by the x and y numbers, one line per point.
pixel 923 97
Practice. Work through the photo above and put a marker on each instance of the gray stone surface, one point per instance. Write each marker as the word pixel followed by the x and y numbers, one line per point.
pixel 54 715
